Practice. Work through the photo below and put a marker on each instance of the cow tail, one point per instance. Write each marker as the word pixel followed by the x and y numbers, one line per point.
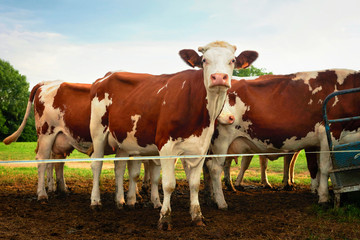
pixel 13 137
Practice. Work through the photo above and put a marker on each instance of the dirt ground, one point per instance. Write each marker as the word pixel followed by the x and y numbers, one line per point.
pixel 255 213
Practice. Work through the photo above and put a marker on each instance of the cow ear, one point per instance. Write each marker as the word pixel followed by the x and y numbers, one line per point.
pixel 245 59
pixel 191 57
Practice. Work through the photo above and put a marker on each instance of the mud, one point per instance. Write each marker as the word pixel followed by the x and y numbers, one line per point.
pixel 255 213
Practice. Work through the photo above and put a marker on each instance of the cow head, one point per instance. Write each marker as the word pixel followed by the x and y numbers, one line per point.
pixel 226 117
pixel 218 61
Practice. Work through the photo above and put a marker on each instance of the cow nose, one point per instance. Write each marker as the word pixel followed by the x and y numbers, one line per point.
pixel 219 79
pixel 231 119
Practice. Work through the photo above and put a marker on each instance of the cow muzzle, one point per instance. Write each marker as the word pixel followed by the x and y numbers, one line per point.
pixel 226 118
pixel 219 79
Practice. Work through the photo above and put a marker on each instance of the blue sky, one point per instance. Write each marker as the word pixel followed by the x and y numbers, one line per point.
pixel 79 41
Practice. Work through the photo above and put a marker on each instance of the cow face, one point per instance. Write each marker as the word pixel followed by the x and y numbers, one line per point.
pixel 218 62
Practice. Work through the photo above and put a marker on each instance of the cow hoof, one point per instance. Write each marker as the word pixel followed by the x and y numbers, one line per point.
pixel 324 205
pixel 229 187
pixel 130 207
pixel 239 188
pixel 164 223
pixel 119 206
pixel 43 199
pixel 223 208
pixel 157 206
pixel 289 188
pixel 199 222
pixel 96 207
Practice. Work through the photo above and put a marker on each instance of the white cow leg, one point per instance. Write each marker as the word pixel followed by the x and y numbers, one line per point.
pixel 119 168
pixel 194 184
pixel 227 176
pixel 154 178
pixel 245 162
pixel 292 167
pixel 96 167
pixel 168 185
pixel 324 167
pixel 134 167
pixel 60 180
pixel 45 143
pixel 263 168
pixel 215 169
pixel 50 177
pixel 146 180
pixel 41 191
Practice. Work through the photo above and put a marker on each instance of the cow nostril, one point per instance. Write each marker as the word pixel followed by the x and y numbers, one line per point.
pixel 213 76
pixel 231 118
pixel 225 77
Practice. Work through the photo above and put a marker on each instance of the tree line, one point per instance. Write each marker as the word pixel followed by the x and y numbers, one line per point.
pixel 14 95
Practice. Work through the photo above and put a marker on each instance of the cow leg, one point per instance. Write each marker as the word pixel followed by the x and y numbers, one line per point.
pixel 292 167
pixel 208 187
pixel 195 167
pixel 227 176
pixel 119 168
pixel 44 146
pixel 186 169
pixel 325 166
pixel 245 162
pixel 168 185
pixel 60 180
pixel 312 164
pixel 263 168
pixel 146 180
pixel 99 141
pixel 134 167
pixel 154 178
pixel 215 169
pixel 50 177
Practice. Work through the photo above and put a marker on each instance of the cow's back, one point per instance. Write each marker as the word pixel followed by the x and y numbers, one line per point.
pixel 63 107
pixel 283 107
pixel 154 108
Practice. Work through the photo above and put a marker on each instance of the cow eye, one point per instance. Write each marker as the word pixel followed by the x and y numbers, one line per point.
pixel 233 61
pixel 204 60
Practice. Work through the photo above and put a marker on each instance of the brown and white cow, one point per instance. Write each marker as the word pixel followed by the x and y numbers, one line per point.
pixel 283 113
pixel 169 115
pixel 62 118
pixel 226 117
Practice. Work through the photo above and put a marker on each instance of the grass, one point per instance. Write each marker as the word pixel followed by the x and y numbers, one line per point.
pixel 26 151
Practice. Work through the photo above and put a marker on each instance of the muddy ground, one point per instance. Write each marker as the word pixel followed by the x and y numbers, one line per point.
pixel 255 213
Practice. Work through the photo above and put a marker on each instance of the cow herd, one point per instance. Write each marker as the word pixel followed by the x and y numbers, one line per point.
pixel 190 113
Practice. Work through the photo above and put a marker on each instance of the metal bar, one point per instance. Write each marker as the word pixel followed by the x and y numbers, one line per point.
pixel 344 119
pixel 326 120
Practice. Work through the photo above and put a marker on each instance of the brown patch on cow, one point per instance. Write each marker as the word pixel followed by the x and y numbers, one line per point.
pixel 52 130
pixel 232 98
pixel 74 102
pixel 38 105
pixel 44 128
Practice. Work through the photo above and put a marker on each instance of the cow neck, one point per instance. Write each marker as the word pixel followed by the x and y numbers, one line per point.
pixel 215 101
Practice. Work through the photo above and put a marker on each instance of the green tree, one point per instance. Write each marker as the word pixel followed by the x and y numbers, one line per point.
pixel 250 71
pixel 14 96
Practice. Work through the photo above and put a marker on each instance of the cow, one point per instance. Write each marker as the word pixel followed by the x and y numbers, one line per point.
pixel 62 118
pixel 283 113
pixel 166 115
pixel 226 117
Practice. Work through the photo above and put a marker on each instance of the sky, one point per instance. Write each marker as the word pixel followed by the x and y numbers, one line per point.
pixel 81 40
